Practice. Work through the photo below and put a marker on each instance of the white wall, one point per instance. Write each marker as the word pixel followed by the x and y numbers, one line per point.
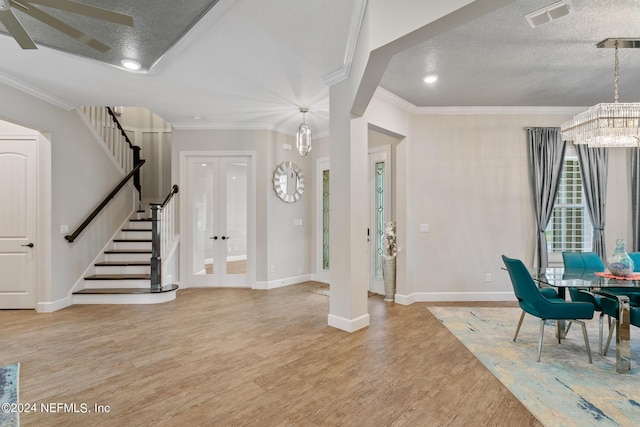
pixel 469 180
pixel 81 174
pixel 279 243
pixel 465 174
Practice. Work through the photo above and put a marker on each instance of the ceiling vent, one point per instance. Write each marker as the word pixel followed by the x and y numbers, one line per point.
pixel 549 13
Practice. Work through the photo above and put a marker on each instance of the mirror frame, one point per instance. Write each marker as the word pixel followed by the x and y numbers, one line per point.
pixel 283 170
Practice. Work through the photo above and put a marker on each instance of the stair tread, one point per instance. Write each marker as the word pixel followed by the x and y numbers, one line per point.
pixel 132 240
pixel 137 229
pixel 122 263
pixel 118 277
pixel 140 219
pixel 166 288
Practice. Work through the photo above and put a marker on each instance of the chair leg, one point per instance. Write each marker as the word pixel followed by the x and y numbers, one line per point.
pixel 611 330
pixel 601 321
pixel 586 340
pixel 540 338
pixel 519 324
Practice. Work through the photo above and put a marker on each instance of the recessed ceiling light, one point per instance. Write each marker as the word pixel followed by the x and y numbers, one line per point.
pixel 431 78
pixel 130 64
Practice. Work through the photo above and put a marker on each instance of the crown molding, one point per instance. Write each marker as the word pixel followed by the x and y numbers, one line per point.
pixel 357 16
pixel 241 126
pixel 394 99
pixel 224 126
pixel 463 110
pixel 505 110
pixel 37 93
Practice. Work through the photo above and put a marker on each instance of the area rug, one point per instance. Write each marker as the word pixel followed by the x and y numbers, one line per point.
pixel 563 389
pixel 9 395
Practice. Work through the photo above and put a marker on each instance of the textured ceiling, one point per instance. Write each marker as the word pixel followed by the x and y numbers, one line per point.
pixel 158 25
pixel 251 64
pixel 499 60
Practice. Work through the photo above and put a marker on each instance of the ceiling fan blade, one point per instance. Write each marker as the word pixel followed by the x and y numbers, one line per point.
pixel 61 26
pixel 86 10
pixel 16 29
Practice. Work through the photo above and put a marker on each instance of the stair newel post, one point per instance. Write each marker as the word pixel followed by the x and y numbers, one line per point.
pixel 156 276
pixel 136 177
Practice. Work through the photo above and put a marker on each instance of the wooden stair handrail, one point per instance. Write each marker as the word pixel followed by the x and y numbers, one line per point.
pixel 173 191
pixel 71 237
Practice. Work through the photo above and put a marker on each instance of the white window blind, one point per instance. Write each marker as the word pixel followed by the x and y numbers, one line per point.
pixel 569 228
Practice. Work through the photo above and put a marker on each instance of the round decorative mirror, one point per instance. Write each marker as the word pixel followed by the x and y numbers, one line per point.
pixel 288 182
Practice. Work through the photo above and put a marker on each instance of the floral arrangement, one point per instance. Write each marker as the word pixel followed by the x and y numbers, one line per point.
pixel 389 239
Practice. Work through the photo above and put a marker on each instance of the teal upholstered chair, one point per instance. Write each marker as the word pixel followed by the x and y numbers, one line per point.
pixel 610 306
pixel 533 302
pixel 587 262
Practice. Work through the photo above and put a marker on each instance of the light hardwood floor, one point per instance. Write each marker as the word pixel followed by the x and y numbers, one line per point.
pixel 237 357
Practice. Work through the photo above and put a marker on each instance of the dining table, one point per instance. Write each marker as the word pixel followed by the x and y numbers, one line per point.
pixel 606 285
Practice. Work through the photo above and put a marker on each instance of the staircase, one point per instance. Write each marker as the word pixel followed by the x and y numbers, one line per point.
pixel 124 274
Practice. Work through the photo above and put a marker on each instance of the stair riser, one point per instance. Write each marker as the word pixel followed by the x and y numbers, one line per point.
pixel 135 234
pixel 127 257
pixel 132 245
pixel 123 269
pixel 139 225
pixel 111 284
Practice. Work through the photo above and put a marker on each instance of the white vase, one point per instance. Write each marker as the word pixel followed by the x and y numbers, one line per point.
pixel 389 276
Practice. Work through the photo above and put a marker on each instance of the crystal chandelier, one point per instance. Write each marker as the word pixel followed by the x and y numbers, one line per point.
pixel 614 124
pixel 303 137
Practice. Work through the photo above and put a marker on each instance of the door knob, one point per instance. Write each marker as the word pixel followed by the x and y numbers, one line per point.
pixel 226 237
pixel 214 237
pixel 30 245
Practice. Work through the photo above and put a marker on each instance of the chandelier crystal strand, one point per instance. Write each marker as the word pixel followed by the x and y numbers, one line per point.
pixel 607 124
pixel 303 136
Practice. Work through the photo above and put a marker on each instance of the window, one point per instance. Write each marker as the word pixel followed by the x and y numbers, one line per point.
pixel 325 219
pixel 569 228
pixel 379 218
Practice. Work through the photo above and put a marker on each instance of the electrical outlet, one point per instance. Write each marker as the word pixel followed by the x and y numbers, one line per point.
pixel 64 229
pixel 487 277
pixel 273 268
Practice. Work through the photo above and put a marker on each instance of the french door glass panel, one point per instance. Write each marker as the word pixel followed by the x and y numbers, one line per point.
pixel 219 195
pixel 236 217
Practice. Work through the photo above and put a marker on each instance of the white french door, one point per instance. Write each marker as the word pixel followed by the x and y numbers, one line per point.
pixel 380 208
pixel 218 201
pixel 18 223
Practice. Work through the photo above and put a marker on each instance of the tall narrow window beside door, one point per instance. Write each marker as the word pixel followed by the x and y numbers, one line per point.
pixel 325 219
pixel 570 228
pixel 379 218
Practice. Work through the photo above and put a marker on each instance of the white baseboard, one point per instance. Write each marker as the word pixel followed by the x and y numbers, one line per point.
pixel 272 284
pixel 50 307
pixel 348 325
pixel 155 298
pixel 454 297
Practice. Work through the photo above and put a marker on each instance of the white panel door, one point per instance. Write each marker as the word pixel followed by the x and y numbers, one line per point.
pixel 17 223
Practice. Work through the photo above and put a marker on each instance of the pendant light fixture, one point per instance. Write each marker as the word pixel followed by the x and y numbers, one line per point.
pixel 614 124
pixel 303 136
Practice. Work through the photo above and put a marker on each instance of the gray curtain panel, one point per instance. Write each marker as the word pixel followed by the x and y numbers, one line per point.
pixel 546 154
pixel 594 166
pixel 635 199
